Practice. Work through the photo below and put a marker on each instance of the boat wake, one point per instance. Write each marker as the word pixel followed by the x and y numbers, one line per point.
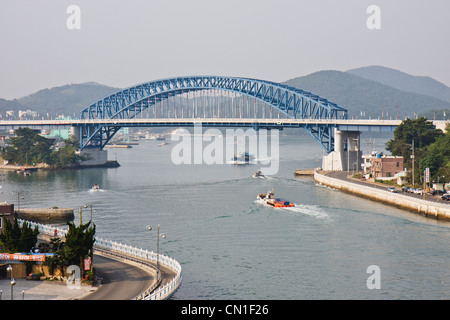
pixel 310 210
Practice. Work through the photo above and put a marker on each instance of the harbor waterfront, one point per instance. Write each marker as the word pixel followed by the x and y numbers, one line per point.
pixel 230 246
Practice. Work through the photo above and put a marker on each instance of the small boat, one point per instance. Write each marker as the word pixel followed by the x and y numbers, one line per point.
pixel 163 144
pixel 24 172
pixel 243 158
pixel 270 200
pixel 258 174
pixel 96 187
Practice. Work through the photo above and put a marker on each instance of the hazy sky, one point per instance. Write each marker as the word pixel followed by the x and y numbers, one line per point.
pixel 121 43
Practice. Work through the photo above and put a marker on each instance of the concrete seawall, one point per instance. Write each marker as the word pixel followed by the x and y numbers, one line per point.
pixel 46 215
pixel 440 211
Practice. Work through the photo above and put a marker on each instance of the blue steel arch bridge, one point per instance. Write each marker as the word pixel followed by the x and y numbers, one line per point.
pixel 215 101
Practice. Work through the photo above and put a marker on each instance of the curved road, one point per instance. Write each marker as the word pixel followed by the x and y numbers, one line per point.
pixel 121 281
pixel 343 176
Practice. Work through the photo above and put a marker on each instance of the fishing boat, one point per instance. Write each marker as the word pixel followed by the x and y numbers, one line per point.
pixel 258 174
pixel 270 200
pixel 96 187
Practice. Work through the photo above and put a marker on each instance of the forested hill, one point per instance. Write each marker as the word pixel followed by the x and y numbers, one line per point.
pixel 66 100
pixel 367 98
pixel 369 92
pixel 403 81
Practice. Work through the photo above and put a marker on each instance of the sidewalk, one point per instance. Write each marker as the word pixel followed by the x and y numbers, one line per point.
pixel 43 290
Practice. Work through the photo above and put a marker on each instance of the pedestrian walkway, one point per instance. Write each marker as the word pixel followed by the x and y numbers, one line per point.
pixel 43 290
pixel 123 280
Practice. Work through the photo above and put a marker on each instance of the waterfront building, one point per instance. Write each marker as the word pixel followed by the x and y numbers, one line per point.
pixel 6 213
pixel 384 167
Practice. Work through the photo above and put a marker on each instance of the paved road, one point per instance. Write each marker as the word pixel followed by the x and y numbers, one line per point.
pixel 121 281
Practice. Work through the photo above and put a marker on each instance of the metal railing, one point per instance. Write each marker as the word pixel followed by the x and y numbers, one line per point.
pixel 126 252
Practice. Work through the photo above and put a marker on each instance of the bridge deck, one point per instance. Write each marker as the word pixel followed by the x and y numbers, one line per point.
pixel 341 124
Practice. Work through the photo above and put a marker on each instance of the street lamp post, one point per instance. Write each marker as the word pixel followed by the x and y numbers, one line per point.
pixel 90 205
pixel 163 235
pixel 13 282
pixel 18 200
pixel 412 159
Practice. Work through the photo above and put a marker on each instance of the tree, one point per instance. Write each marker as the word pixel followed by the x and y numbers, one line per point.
pixel 16 239
pixel 67 156
pixel 431 148
pixel 79 243
pixel 421 131
pixel 55 246
pixel 437 158
pixel 28 147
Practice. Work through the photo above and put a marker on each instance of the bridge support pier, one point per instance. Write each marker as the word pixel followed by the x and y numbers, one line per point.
pixel 96 157
pixel 347 154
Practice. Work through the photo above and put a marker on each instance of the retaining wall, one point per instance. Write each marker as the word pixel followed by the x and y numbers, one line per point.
pixel 440 211
pixel 46 214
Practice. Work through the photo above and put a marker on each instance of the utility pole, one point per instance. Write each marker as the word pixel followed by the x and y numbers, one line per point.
pixel 412 156
pixel 348 157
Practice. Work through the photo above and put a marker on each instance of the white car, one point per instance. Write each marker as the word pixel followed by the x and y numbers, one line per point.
pixel 392 189
pixel 418 191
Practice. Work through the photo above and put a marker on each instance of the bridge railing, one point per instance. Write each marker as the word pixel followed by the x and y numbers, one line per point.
pixel 129 253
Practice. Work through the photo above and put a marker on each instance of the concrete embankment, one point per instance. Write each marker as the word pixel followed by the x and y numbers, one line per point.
pixel 304 172
pixel 46 215
pixel 440 211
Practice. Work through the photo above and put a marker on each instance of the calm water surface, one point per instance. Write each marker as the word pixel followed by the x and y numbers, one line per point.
pixel 232 247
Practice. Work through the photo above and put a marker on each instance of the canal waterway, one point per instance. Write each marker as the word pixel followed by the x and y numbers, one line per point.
pixel 232 247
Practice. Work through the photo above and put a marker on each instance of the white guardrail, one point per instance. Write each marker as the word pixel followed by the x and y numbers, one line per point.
pixel 126 252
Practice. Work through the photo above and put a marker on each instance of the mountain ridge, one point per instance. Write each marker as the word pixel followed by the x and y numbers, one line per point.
pixel 362 97
pixel 404 81
pixel 367 98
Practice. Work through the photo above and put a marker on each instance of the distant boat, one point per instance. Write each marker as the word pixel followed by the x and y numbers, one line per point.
pixel 243 158
pixel 258 174
pixel 163 144
pixel 160 138
pixel 96 187
pixel 270 200
pixel 24 172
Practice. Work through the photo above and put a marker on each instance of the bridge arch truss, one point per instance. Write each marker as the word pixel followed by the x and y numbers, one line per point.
pixel 291 102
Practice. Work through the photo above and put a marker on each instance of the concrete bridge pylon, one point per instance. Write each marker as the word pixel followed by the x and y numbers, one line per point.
pixel 347 154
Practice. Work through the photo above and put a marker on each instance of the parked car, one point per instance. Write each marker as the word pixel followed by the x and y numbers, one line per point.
pixel 446 196
pixel 392 189
pixel 418 191
pixel 411 190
